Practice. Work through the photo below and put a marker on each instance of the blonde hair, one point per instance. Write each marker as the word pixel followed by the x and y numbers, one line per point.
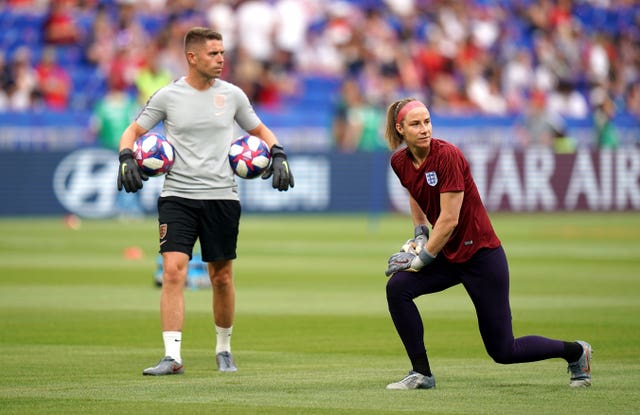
pixel 393 137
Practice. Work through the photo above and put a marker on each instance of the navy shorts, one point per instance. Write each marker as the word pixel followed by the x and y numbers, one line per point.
pixel 214 222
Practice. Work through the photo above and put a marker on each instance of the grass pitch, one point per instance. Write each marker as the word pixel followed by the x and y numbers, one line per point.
pixel 312 335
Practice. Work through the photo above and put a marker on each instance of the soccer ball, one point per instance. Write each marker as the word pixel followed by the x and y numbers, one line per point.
pixel 154 154
pixel 249 156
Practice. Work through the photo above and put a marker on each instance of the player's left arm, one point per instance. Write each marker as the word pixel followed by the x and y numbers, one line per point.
pixel 417 214
pixel 421 228
pixel 279 168
pixel 265 134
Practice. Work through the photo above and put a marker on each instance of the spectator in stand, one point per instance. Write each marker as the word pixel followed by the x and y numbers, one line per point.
pixel 431 60
pixel 431 45
pixel 387 70
pixel 23 87
pixel 256 20
pixel 5 82
pixel 54 81
pixel 292 24
pixel 100 47
pixel 549 66
pixel 632 101
pixel 221 16
pixel 567 101
pixel 535 128
pixel 348 92
pixel 150 77
pixel 246 74
pixel 604 111
pixel 357 124
pixel 124 68
pixel 326 38
pixel 447 96
pixel 170 42
pixel 130 33
pixel 568 42
pixel 20 4
pixel 598 64
pixel 484 91
pixel 111 115
pixel 536 15
pixel 563 142
pixel 517 79
pixel 60 26
pixel 188 13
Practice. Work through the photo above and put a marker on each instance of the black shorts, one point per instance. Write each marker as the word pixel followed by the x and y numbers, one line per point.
pixel 214 222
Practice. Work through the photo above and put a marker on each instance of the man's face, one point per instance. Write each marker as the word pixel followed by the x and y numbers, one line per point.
pixel 208 59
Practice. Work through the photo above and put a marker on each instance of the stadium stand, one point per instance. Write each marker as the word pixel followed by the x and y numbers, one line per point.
pixel 343 32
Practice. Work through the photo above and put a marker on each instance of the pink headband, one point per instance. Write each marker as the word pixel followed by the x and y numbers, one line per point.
pixel 408 107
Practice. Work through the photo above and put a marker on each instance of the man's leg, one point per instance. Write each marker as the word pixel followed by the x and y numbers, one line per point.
pixel 224 301
pixel 174 275
pixel 175 266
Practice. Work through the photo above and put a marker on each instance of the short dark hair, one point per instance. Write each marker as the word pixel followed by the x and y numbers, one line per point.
pixel 199 35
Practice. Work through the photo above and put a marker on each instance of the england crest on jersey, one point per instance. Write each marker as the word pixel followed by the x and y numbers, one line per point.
pixel 219 100
pixel 432 178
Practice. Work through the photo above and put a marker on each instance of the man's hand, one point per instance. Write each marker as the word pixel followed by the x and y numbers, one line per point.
pixel 279 168
pixel 129 174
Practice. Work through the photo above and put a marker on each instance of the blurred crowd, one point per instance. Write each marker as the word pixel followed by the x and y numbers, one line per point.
pixel 570 58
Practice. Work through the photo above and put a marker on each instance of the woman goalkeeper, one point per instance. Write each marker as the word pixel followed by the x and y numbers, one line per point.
pixel 462 249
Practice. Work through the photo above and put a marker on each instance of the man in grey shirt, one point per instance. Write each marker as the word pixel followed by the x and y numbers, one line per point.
pixel 199 199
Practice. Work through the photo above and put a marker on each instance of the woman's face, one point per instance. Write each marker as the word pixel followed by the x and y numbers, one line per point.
pixel 416 129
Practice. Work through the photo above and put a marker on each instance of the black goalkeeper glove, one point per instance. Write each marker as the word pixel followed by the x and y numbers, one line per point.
pixel 130 176
pixel 279 168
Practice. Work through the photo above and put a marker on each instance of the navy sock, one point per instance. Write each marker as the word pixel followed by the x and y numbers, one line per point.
pixel 421 365
pixel 572 351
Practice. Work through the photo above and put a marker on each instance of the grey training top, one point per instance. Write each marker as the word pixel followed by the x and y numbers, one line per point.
pixel 200 125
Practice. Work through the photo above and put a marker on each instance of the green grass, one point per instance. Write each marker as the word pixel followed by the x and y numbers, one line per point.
pixel 312 334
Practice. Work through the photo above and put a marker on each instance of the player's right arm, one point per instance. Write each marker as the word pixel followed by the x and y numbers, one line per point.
pixel 130 134
pixel 130 176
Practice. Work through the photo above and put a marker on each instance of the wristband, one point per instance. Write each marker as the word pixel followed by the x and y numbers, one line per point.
pixel 125 154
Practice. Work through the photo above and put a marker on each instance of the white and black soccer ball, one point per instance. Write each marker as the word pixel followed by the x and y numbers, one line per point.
pixel 249 156
pixel 154 154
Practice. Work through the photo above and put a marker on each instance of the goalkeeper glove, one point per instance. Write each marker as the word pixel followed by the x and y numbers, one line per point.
pixel 413 256
pixel 419 240
pixel 130 176
pixel 408 261
pixel 279 168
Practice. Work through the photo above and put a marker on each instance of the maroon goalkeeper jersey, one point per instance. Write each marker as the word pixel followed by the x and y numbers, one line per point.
pixel 447 170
